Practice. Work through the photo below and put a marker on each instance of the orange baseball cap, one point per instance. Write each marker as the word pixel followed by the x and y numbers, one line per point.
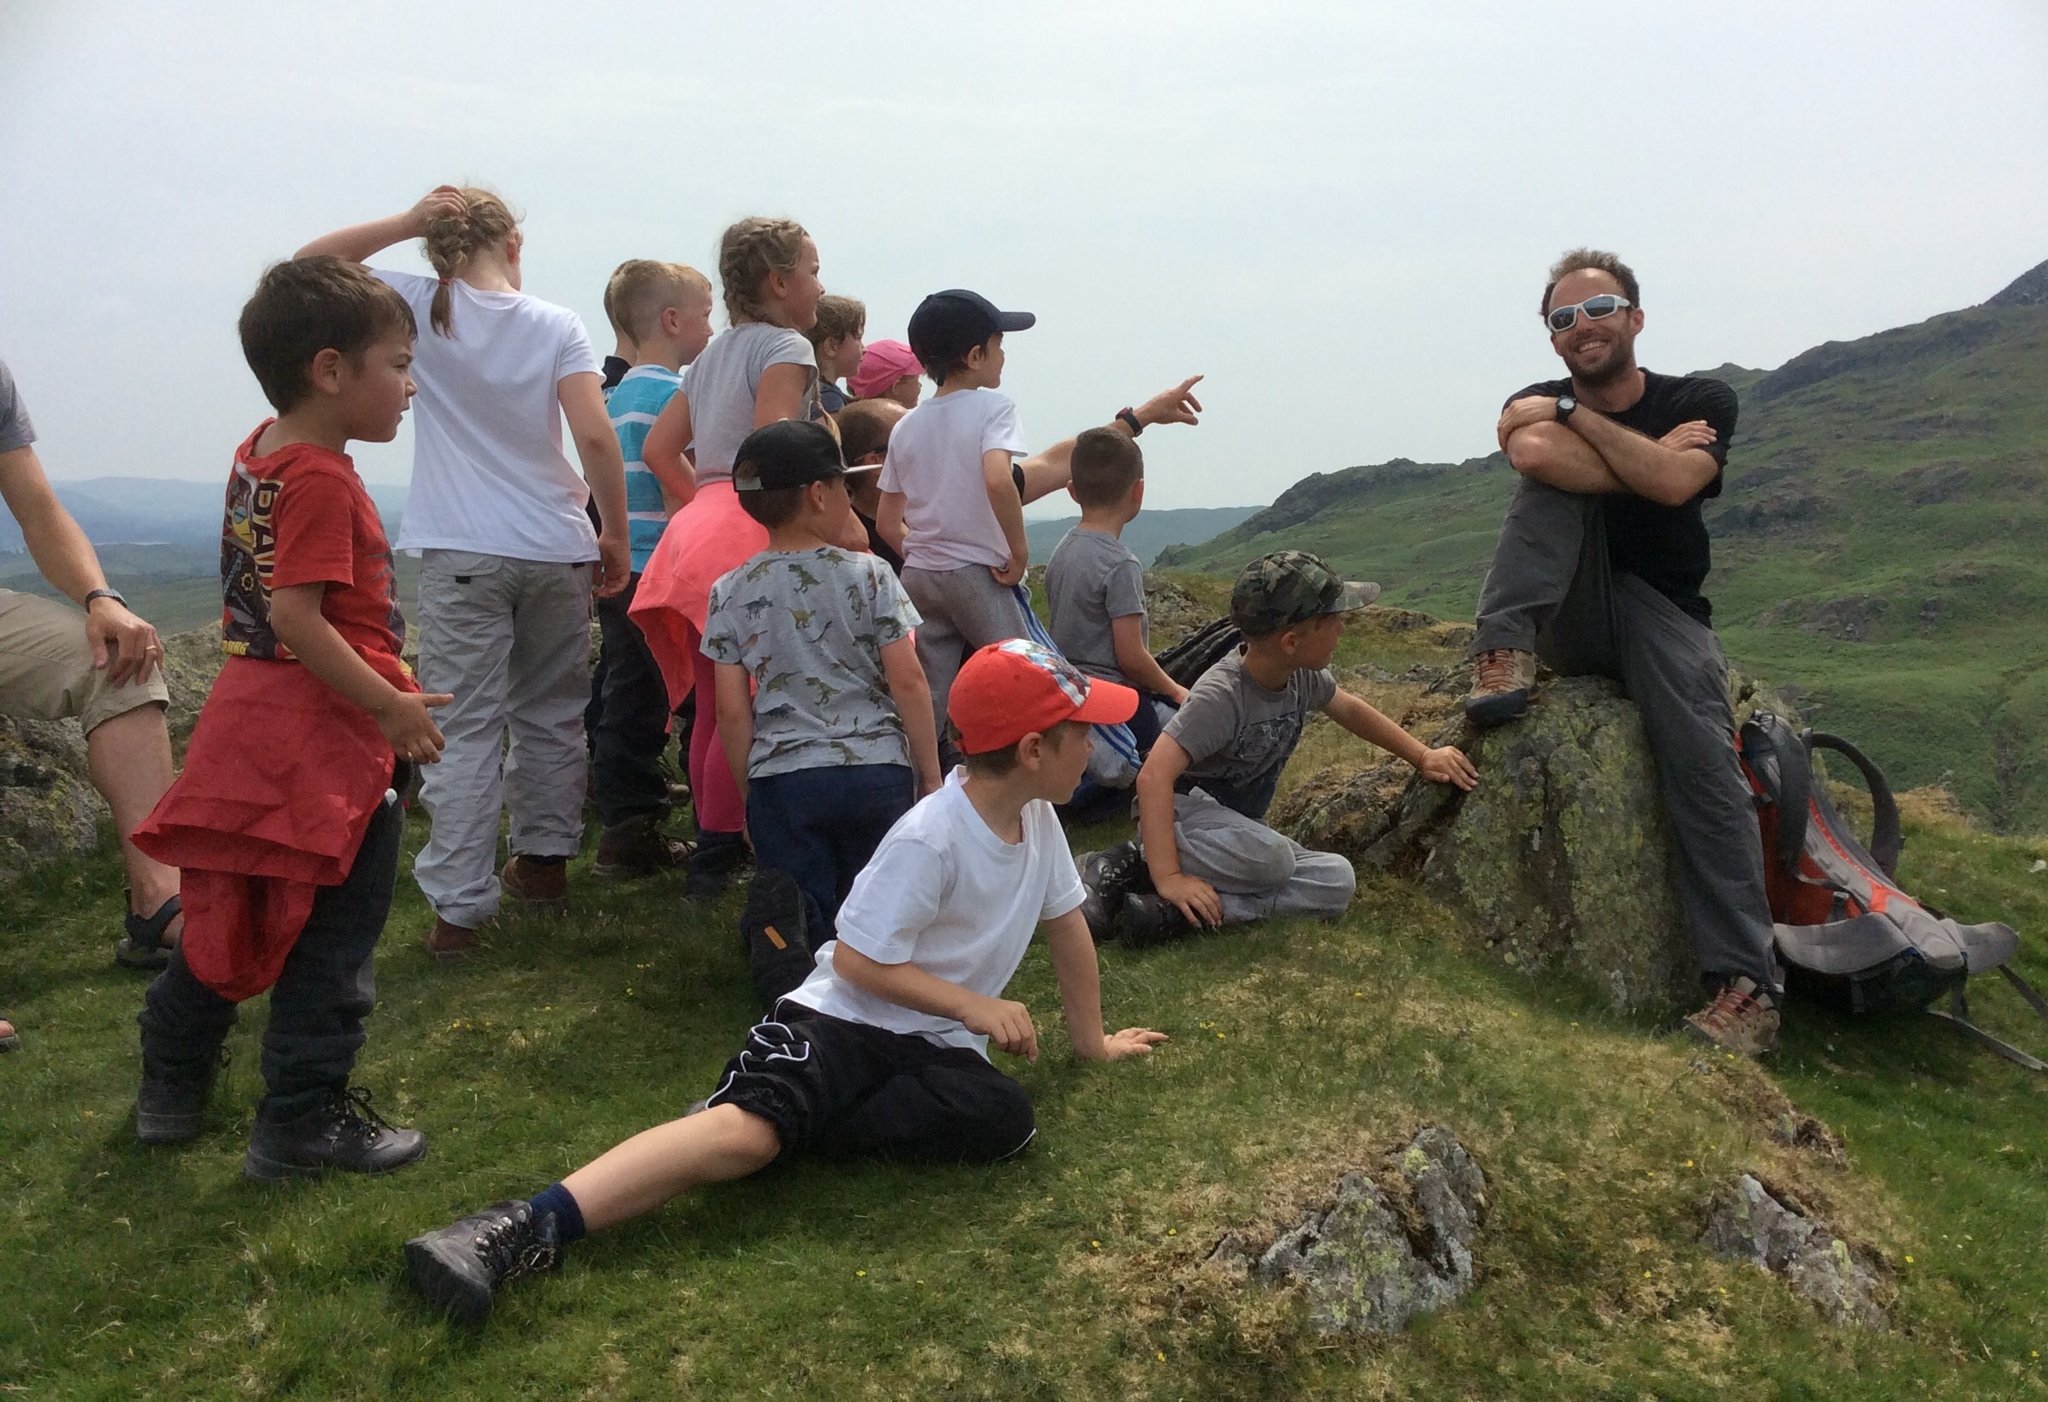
pixel 1012 689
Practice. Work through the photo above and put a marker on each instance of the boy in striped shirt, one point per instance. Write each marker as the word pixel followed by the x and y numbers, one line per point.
pixel 663 313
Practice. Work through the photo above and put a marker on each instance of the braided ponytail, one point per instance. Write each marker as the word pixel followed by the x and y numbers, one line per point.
pixel 750 250
pixel 485 221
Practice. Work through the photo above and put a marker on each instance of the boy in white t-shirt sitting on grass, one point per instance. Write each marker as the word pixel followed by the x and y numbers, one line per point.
pixel 952 499
pixel 883 1050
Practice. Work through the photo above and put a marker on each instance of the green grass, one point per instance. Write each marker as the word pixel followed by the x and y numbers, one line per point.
pixel 1075 1272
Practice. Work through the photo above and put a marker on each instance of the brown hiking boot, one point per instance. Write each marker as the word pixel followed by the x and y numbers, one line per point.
pixel 450 944
pixel 635 847
pixel 1502 680
pixel 1742 1019
pixel 544 887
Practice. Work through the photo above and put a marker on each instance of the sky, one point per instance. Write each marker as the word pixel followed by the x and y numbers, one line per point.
pixel 1340 215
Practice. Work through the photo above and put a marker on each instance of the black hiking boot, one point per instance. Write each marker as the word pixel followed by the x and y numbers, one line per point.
pixel 636 847
pixel 169 1110
pixel 345 1135
pixel 776 928
pixel 1153 920
pixel 720 856
pixel 1109 876
pixel 460 1267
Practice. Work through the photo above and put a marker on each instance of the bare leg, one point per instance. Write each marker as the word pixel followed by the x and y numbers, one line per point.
pixel 129 759
pixel 634 1178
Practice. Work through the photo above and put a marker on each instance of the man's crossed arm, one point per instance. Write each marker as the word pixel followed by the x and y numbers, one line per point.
pixel 1590 453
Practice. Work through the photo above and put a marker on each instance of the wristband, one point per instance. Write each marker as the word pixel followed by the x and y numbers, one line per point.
pixel 113 594
pixel 1130 420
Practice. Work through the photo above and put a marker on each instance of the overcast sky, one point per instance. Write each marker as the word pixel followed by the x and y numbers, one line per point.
pixel 1341 214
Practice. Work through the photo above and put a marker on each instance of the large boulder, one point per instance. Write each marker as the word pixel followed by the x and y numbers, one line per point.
pixel 1560 858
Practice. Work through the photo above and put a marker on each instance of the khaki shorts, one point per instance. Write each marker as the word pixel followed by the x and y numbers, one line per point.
pixel 46 670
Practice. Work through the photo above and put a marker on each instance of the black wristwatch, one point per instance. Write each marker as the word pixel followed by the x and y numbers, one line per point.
pixel 1565 405
pixel 1129 417
pixel 113 594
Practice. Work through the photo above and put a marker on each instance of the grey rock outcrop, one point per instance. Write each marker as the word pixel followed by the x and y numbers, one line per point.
pixel 1748 1223
pixel 1383 1252
pixel 1560 858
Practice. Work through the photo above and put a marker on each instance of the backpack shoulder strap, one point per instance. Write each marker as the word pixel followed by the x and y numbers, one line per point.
pixel 1773 744
pixel 1886 836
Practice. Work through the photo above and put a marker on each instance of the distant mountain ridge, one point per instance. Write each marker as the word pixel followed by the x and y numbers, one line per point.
pixel 1878 544
pixel 161 510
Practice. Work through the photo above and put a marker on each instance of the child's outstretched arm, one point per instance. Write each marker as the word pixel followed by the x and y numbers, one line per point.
pixel 1003 1021
pixel 1446 765
pixel 1050 471
pixel 1080 979
pixel 402 715
pixel 604 467
pixel 912 693
pixel 360 242
pixel 1194 897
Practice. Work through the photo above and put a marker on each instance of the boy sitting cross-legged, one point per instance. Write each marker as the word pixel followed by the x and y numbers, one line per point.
pixel 822 707
pixel 1204 855
pixel 883 1048
pixel 286 820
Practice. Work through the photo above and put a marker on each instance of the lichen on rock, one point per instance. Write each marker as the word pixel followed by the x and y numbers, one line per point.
pixel 1749 1223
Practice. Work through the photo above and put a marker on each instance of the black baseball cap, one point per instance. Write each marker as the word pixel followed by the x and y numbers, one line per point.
pixel 788 453
pixel 947 325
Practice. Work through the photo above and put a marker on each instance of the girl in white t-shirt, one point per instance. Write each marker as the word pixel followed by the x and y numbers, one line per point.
pixel 760 371
pixel 508 557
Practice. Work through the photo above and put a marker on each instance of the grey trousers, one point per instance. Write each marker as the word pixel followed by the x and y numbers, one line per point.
pixel 963 610
pixel 1553 591
pixel 1256 872
pixel 510 640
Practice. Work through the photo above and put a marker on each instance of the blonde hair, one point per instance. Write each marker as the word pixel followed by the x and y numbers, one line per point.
pixel 747 254
pixel 641 289
pixel 485 221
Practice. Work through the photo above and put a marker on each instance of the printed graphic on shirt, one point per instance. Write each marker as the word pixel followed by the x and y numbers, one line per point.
pixel 248 556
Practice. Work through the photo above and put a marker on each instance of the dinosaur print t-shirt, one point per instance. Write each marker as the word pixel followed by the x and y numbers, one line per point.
pixel 809 626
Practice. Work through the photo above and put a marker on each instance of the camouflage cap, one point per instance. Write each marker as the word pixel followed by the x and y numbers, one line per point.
pixel 1277 591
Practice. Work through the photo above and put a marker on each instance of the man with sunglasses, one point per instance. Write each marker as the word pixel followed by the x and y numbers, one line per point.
pixel 1598 570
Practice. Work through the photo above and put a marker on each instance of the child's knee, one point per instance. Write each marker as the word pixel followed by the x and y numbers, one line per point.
pixel 1331 880
pixel 1007 1127
pixel 1269 861
pixel 744 1134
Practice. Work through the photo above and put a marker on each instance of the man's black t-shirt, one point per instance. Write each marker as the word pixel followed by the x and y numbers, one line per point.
pixel 1665 546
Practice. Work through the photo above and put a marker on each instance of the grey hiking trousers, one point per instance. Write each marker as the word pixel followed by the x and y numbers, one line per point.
pixel 963 610
pixel 1256 871
pixel 1553 591
pixel 510 639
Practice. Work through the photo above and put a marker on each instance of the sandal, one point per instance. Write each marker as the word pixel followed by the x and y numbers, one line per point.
pixel 144 945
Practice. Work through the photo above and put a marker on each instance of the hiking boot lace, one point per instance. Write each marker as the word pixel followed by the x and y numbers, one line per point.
pixel 1730 1009
pixel 510 1247
pixel 1494 670
pixel 358 1117
pixel 1122 869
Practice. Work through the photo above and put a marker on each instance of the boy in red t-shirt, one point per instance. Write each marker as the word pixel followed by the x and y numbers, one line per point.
pixel 286 820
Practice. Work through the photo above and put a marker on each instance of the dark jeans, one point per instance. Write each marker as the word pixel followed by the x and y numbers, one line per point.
pixel 843 1088
pixel 1552 590
pixel 822 825
pixel 631 721
pixel 317 1006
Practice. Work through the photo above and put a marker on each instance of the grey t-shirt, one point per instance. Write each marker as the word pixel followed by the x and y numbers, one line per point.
pixel 1091 580
pixel 1239 734
pixel 721 382
pixel 15 429
pixel 809 626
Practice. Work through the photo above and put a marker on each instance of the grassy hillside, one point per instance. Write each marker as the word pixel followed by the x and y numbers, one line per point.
pixel 1878 544
pixel 1076 1271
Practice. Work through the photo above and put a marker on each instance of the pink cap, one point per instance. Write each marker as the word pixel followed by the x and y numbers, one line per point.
pixel 885 363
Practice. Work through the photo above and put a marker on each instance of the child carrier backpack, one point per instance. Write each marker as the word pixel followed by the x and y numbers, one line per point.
pixel 1849 936
pixel 1200 650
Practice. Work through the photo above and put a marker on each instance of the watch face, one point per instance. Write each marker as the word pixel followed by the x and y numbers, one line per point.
pixel 1565 405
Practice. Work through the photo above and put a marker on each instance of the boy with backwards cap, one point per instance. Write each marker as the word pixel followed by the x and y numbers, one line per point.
pixel 1205 856
pixel 952 501
pixel 822 708
pixel 883 1049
